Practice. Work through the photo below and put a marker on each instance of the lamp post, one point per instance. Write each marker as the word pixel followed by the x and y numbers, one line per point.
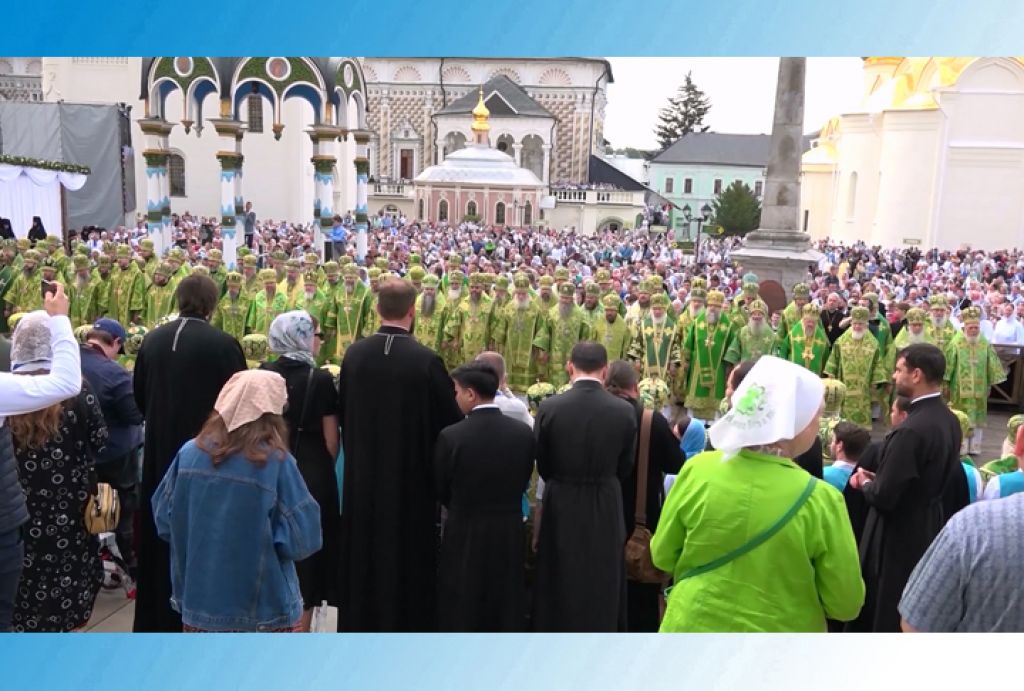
pixel 705 216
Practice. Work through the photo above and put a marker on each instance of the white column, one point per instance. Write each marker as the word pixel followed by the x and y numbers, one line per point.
pixel 517 151
pixel 547 163
pixel 362 164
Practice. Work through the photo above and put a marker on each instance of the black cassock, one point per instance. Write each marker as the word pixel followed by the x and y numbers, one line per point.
pixel 395 397
pixel 179 373
pixel 918 486
pixel 482 467
pixel 585 443
pixel 664 458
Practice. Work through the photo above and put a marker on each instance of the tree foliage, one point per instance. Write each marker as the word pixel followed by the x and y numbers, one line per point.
pixel 737 209
pixel 684 113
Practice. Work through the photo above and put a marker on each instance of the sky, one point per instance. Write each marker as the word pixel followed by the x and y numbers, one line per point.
pixel 741 90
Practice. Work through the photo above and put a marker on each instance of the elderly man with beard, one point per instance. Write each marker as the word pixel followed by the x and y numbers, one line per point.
pixel 740 313
pixel 592 309
pixel 611 330
pixel 267 305
pixel 655 349
pixel 250 276
pixel 233 308
pixel 311 300
pixel 523 323
pixel 496 324
pixel 343 322
pixel 914 332
pixel 940 331
pixel 149 259
pixel 371 319
pixel 972 369
pixel 806 343
pixel 880 329
pixel 638 311
pixel 546 295
pixel 703 355
pixel 24 295
pixel 80 291
pixel 430 314
pixel 564 327
pixel 694 307
pixel 857 362
pixel 160 299
pixel 753 340
pixel 128 292
pixel 467 330
pixel 792 314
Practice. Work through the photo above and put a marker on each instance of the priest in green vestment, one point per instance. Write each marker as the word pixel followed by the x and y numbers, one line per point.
pixel 806 343
pixel 430 314
pixel 856 362
pixel 345 313
pixel 883 334
pixel 754 339
pixel 128 292
pixel 564 327
pixel 523 323
pixel 267 305
pixel 654 348
pixel 233 308
pixel 703 353
pixel 940 331
pixel 611 330
pixel 467 329
pixel 972 369
pixel 791 315
pixel 913 332
pixel 160 298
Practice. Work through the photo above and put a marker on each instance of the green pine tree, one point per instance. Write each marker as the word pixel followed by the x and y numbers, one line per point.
pixel 684 114
pixel 737 209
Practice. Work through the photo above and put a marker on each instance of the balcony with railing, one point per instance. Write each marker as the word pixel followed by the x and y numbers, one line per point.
pixel 392 189
pixel 623 197
pixel 18 87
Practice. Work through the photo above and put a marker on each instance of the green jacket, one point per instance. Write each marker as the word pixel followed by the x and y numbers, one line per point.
pixel 805 573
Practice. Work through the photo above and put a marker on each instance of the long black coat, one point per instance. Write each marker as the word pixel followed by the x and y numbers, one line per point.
pixel 482 467
pixel 179 373
pixel 917 488
pixel 664 458
pixel 395 397
pixel 585 446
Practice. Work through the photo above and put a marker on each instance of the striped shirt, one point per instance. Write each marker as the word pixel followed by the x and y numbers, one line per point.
pixel 967 580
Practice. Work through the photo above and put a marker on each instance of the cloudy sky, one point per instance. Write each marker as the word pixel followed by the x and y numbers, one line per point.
pixel 742 93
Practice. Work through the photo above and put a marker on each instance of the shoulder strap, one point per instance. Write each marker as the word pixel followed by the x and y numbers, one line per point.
pixel 642 457
pixel 301 425
pixel 758 540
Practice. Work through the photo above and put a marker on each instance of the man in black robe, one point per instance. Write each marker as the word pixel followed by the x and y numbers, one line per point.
pixel 585 446
pixel 482 467
pixel 179 373
pixel 395 397
pixel 918 486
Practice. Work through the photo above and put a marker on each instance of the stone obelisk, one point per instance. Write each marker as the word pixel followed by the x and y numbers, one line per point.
pixel 779 250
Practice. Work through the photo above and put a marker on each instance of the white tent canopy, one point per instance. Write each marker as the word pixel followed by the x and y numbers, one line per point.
pixel 27 191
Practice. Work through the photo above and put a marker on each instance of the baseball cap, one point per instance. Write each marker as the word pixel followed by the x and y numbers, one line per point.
pixel 112 327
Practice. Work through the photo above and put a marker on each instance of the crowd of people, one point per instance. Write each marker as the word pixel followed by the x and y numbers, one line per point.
pixel 698 461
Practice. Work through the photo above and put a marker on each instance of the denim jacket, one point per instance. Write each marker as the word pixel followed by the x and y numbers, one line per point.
pixel 236 531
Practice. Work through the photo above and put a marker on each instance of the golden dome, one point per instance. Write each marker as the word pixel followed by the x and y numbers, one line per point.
pixel 480 115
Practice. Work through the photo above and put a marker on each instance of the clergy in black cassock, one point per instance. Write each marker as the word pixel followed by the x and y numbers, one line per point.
pixel 918 486
pixel 179 373
pixel 482 466
pixel 585 442
pixel 395 397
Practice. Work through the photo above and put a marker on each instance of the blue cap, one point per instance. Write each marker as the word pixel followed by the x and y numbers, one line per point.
pixel 112 327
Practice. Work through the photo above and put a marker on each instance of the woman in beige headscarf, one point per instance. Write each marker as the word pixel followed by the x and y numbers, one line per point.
pixel 237 514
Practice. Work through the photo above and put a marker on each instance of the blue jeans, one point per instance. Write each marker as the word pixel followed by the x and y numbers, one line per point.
pixel 12 550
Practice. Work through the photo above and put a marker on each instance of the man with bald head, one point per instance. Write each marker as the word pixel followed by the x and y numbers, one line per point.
pixel 832 318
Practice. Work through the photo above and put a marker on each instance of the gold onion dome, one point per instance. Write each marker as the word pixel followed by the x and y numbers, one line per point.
pixel 481 115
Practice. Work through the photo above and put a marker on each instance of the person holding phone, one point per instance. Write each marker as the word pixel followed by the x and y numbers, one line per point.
pixel 18 396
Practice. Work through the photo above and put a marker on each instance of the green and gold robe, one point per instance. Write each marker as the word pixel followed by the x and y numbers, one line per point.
pixel 344 320
pixel 25 292
pixel 615 337
pixel 812 353
pixel 127 294
pixel 521 328
pixel 263 311
pixel 557 338
pixel 747 345
pixel 940 337
pixel 231 315
pixel 858 364
pixel 971 371
pixel 656 349
pixel 704 365
pixel 429 331
pixel 468 326
pixel 160 302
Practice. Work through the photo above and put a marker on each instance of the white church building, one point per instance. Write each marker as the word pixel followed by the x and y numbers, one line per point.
pixel 934 157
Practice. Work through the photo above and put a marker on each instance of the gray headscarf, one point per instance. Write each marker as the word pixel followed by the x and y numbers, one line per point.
pixel 291 335
pixel 30 343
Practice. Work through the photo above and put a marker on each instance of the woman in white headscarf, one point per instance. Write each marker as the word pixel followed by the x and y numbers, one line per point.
pixel 55 449
pixel 312 420
pixel 237 515
pixel 753 542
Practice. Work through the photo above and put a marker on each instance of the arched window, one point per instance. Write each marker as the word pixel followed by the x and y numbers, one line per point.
pixel 442 210
pixel 499 214
pixel 176 174
pixel 851 195
pixel 255 106
pixel 527 214
pixel 471 208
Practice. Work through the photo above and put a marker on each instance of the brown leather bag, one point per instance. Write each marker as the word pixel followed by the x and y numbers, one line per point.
pixel 639 566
